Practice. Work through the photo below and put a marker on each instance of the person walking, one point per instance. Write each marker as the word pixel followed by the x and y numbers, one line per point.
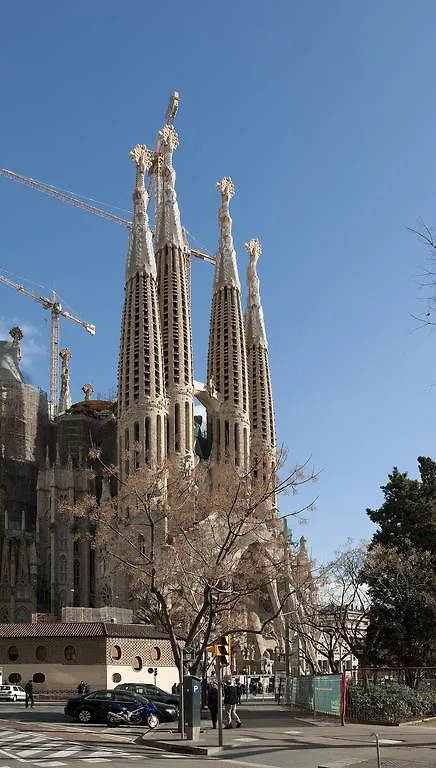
pixel 28 690
pixel 212 703
pixel 230 702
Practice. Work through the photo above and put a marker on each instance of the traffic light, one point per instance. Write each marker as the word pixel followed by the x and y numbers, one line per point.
pixel 223 650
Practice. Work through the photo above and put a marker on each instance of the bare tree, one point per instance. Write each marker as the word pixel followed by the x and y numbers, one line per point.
pixel 336 622
pixel 197 545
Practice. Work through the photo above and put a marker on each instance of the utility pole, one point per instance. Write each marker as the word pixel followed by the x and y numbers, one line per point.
pixel 219 677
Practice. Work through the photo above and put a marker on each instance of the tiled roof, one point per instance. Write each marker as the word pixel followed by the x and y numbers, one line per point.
pixel 80 629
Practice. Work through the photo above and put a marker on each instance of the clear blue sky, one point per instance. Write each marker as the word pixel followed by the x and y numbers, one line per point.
pixel 324 115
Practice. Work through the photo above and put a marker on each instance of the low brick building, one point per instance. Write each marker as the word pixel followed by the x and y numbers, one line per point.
pixel 57 656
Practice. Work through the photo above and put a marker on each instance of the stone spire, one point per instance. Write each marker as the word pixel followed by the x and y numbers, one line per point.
pixel 171 256
pixel 141 389
pixel 65 401
pixel 263 439
pixel 227 362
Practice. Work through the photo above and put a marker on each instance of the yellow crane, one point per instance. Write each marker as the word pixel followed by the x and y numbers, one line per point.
pixel 68 197
pixel 56 310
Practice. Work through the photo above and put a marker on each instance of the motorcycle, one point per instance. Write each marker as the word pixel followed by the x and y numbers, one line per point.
pixel 124 714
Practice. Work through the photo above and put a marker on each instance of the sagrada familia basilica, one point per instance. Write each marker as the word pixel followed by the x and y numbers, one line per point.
pixel 43 460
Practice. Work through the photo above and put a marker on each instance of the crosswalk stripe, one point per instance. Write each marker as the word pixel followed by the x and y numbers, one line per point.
pixel 48 763
pixel 95 760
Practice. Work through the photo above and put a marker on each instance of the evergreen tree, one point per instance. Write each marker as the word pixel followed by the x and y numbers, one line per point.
pixel 400 571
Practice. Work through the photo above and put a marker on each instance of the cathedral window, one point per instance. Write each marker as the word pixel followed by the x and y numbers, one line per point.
pixel 62 537
pixel 137 664
pixel 136 437
pixel 147 439
pixel 177 427
pixel 237 446
pixel 188 427
pixel 159 437
pixel 126 448
pixel 226 437
pixel 62 569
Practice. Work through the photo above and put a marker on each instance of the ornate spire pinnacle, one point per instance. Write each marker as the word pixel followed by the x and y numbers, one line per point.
pixel 88 391
pixel 17 336
pixel 255 326
pixel 65 397
pixel 226 272
pixel 168 226
pixel 140 257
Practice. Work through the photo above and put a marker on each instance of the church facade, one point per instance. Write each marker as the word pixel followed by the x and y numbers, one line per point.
pixel 46 563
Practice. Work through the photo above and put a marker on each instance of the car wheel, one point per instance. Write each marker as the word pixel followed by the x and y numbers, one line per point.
pixel 152 721
pixel 84 716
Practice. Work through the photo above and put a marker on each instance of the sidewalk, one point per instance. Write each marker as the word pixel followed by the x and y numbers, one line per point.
pixel 313 742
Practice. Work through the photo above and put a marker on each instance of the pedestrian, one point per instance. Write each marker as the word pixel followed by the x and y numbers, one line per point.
pixel 86 688
pixel 28 690
pixel 81 688
pixel 174 688
pixel 238 691
pixel 212 702
pixel 230 701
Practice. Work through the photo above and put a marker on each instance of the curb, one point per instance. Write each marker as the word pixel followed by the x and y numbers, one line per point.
pixel 181 747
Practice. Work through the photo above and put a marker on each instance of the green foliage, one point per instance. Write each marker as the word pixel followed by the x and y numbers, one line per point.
pixel 400 571
pixel 391 703
pixel 409 510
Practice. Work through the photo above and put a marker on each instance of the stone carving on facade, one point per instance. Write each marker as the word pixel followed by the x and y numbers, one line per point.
pixel 17 336
pixel 65 396
pixel 88 391
pixel 254 316
pixel 226 272
pixel 168 225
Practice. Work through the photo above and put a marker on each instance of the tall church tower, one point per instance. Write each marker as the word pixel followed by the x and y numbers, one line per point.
pixel 263 438
pixel 172 254
pixel 227 360
pixel 142 407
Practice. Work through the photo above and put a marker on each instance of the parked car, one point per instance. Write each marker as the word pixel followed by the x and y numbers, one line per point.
pixel 95 705
pixel 12 693
pixel 150 691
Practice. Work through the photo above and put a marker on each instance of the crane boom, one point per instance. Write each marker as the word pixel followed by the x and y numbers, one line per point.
pixel 67 197
pixel 55 308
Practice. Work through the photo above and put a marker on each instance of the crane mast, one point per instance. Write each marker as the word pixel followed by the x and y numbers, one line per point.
pixel 56 311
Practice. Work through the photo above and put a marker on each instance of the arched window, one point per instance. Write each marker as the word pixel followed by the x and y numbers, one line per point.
pixel 70 654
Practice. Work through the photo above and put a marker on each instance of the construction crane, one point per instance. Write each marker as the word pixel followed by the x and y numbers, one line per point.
pixel 68 197
pixel 55 308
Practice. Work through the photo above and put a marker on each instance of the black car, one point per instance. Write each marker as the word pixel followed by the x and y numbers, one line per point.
pixel 95 705
pixel 152 692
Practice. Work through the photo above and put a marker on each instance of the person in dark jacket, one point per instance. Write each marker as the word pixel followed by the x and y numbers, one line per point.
pixel 230 701
pixel 212 703
pixel 28 690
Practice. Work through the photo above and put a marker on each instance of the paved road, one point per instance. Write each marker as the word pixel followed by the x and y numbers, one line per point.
pixel 269 738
